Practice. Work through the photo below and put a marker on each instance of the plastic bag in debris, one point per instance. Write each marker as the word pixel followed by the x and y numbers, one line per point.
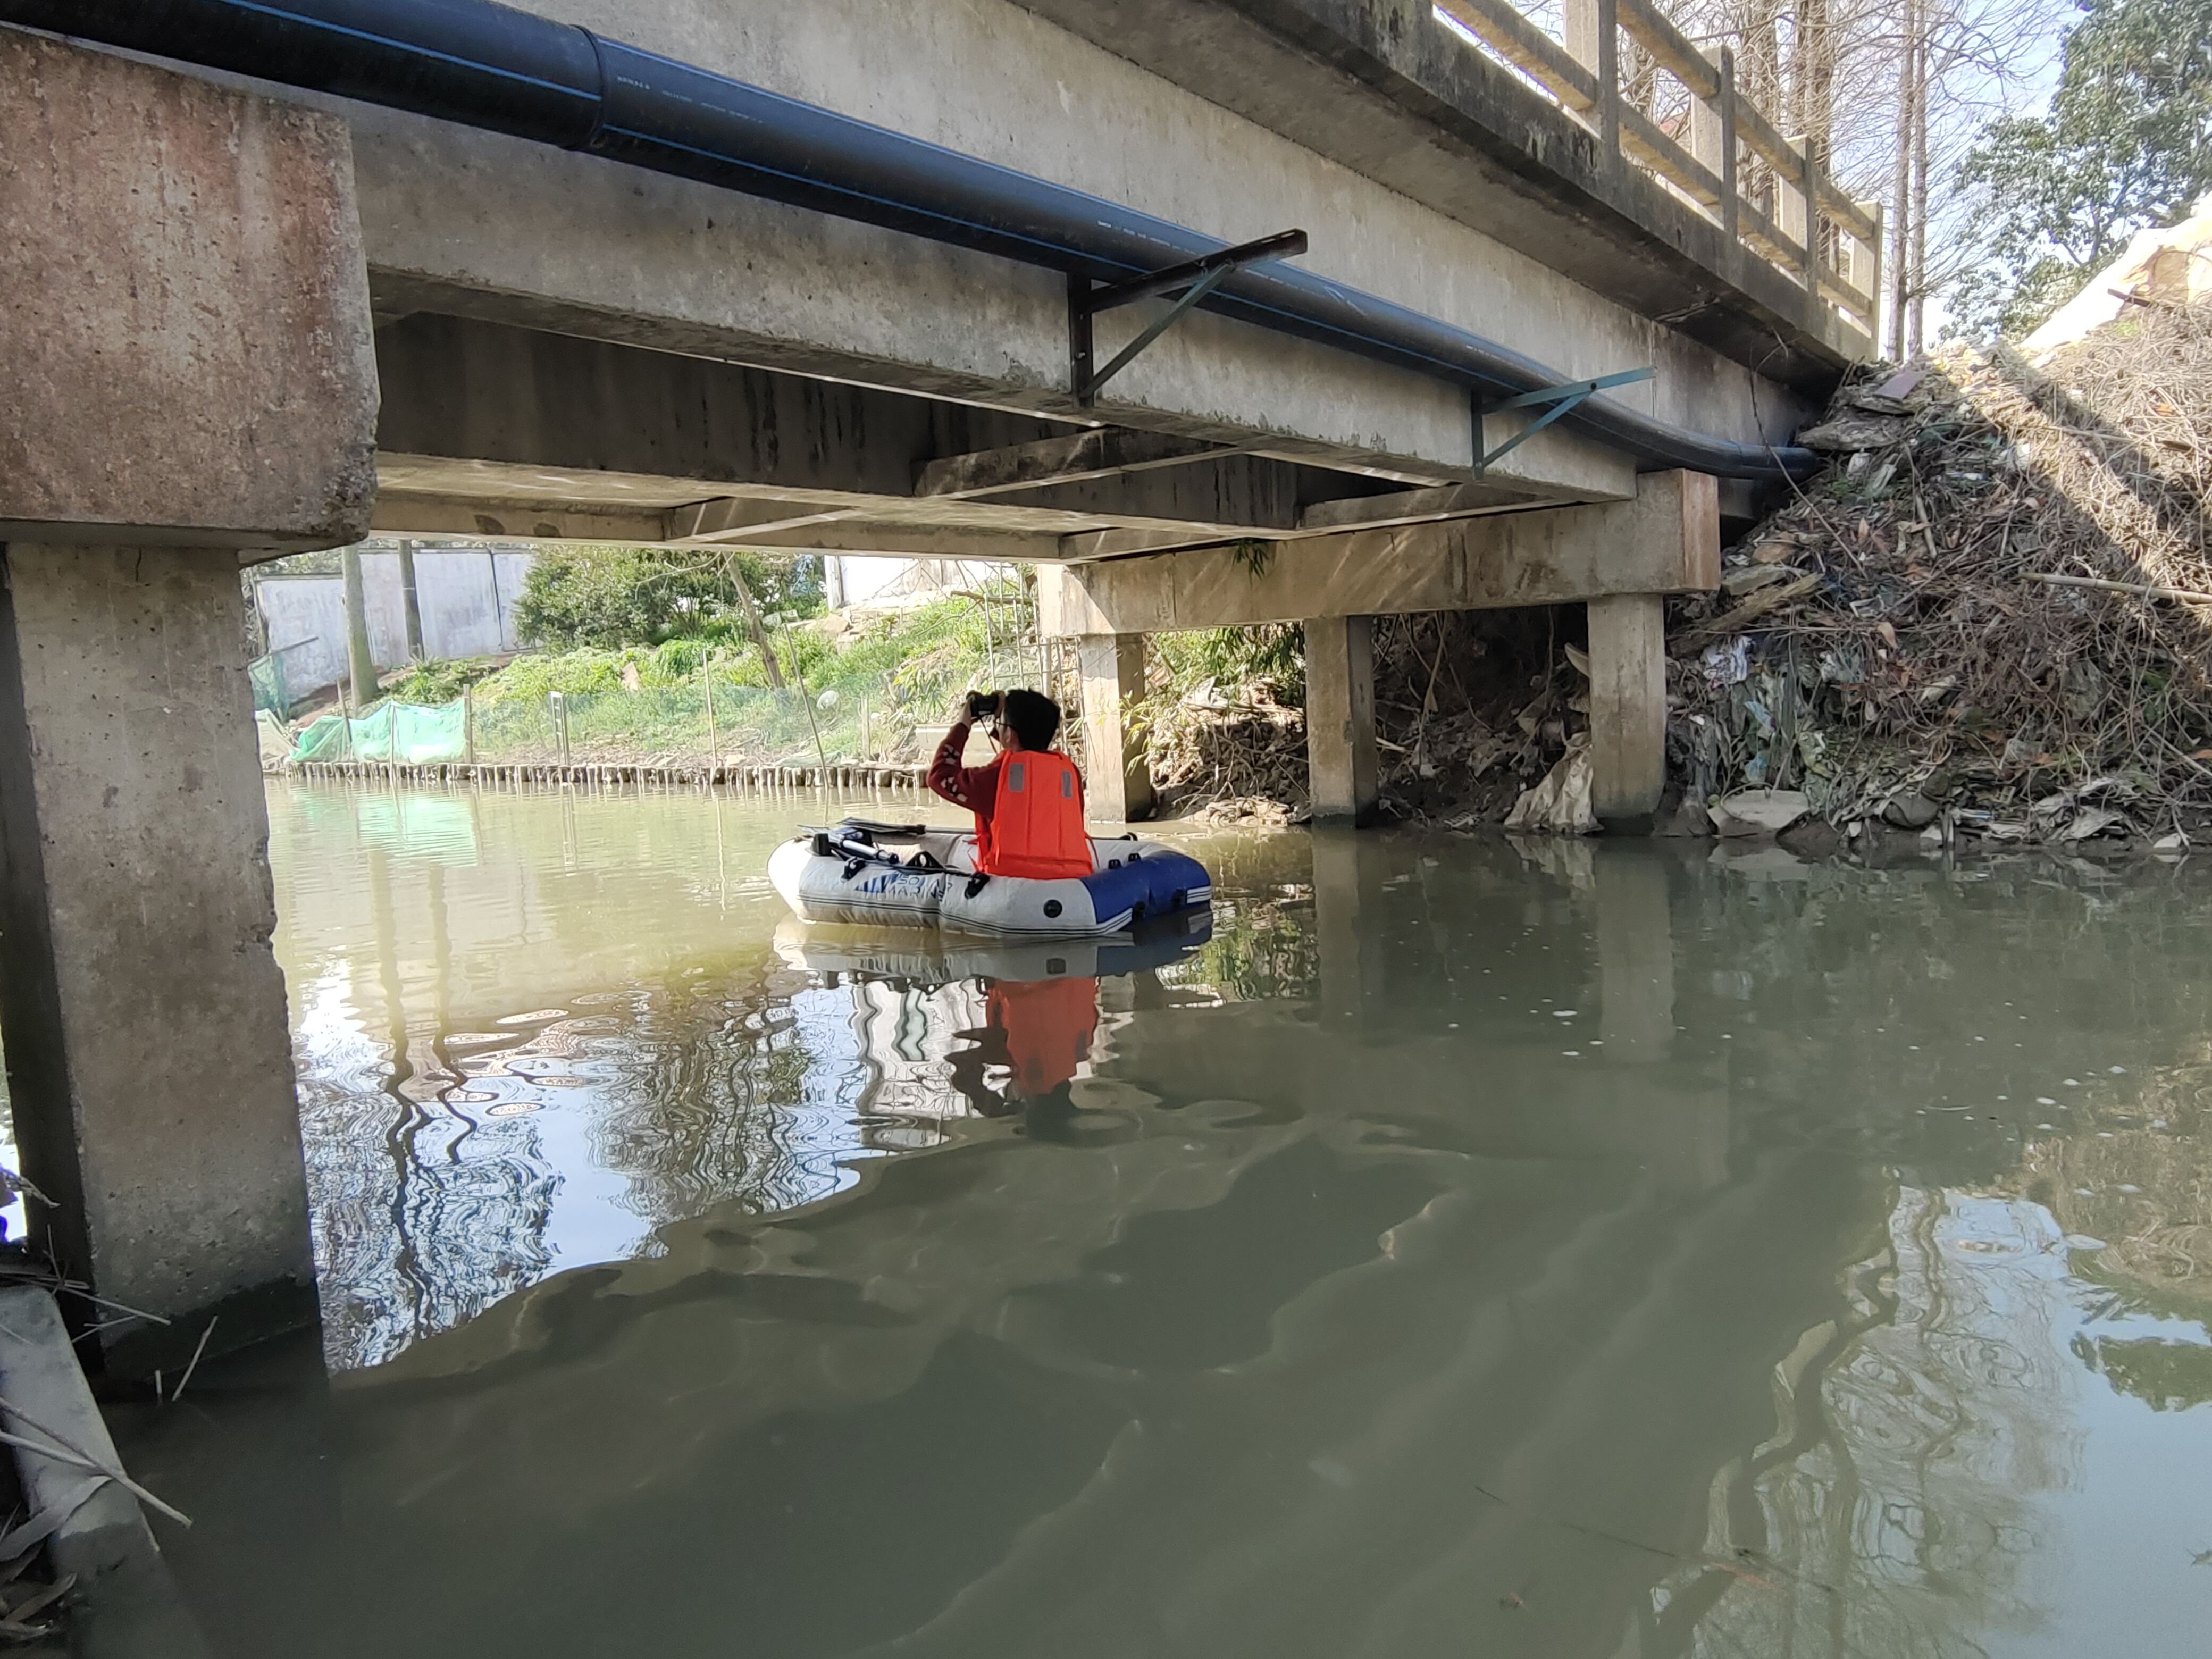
pixel 1560 805
pixel 1728 663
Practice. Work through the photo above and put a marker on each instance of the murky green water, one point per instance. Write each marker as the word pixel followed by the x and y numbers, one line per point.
pixel 1602 1251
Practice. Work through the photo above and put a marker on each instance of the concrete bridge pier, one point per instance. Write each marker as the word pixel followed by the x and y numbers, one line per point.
pixel 1620 559
pixel 1118 783
pixel 1343 772
pixel 1627 707
pixel 192 386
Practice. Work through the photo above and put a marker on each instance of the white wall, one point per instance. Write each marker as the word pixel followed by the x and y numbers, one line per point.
pixel 467 595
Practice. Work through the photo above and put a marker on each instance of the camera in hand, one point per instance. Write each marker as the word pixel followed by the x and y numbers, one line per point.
pixel 981 705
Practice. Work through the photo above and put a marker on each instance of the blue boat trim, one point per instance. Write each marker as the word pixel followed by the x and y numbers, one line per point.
pixel 1157 885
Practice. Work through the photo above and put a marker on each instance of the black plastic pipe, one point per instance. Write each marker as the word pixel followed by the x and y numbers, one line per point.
pixel 490 66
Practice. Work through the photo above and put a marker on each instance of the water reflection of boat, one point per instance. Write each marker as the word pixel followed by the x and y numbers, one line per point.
pixel 909 876
pixel 1040 1000
pixel 913 958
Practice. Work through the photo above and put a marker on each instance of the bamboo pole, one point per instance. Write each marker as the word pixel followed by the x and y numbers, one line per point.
pixel 714 738
pixel 2139 590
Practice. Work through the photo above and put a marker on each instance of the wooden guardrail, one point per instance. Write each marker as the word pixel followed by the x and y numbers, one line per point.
pixel 1815 233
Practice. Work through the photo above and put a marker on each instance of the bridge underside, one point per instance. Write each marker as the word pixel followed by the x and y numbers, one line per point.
pixel 491 429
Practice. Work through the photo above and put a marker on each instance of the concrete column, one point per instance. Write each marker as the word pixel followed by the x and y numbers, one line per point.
pixel 1341 756
pixel 142 1010
pixel 1628 707
pixel 1117 781
pixel 192 381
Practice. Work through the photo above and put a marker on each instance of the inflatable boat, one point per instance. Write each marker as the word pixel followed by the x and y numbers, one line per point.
pixel 910 876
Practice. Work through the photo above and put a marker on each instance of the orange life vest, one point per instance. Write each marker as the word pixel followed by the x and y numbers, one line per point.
pixel 1036 826
pixel 1049 1025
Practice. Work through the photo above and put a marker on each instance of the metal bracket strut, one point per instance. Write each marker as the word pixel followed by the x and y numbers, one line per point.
pixel 1196 279
pixel 1562 399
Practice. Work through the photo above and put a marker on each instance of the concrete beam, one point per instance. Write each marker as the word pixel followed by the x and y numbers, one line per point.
pixel 1343 769
pixel 1665 541
pixel 185 324
pixel 464 221
pixel 527 415
pixel 441 516
pixel 1403 506
pixel 1117 781
pixel 464 390
pixel 907 541
pixel 149 1051
pixel 1627 707
pixel 1094 454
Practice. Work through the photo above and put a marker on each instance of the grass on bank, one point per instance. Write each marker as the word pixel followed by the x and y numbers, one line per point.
pixel 651 703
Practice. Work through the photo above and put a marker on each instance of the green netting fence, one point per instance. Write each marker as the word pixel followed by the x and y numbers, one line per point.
pixel 675 727
pixel 871 704
pixel 402 731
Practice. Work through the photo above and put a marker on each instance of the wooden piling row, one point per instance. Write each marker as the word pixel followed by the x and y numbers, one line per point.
pixel 768 779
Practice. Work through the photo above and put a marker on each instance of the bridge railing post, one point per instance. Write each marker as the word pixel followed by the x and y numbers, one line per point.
pixel 1593 31
pixel 1712 134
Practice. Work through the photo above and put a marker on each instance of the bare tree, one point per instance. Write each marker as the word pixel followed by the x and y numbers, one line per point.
pixel 1913 81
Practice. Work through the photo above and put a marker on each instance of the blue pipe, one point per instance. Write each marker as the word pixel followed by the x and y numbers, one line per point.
pixel 485 66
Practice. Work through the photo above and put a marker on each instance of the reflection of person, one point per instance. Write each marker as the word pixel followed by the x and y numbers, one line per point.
pixel 1028 800
pixel 1041 1031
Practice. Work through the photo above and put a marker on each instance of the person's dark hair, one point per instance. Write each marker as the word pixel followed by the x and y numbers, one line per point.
pixel 1032 717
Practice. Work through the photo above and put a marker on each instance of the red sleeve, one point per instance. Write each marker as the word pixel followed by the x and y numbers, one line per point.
pixel 975 787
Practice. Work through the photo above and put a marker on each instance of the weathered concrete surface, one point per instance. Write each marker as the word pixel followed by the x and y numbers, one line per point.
pixel 1117 784
pixel 1665 541
pixel 185 318
pixel 1422 113
pixel 125 1603
pixel 705 452
pixel 141 1009
pixel 1344 774
pixel 1627 706
pixel 466 222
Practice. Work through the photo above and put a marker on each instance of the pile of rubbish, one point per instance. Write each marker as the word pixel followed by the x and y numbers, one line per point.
pixel 1990 616
pixel 1471 708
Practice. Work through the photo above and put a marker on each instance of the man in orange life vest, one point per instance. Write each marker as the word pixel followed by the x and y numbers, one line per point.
pixel 1028 801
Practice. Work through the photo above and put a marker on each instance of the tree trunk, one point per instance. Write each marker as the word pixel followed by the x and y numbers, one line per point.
pixel 1813 74
pixel 361 666
pixel 410 601
pixel 1920 186
pixel 753 625
pixel 1900 204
